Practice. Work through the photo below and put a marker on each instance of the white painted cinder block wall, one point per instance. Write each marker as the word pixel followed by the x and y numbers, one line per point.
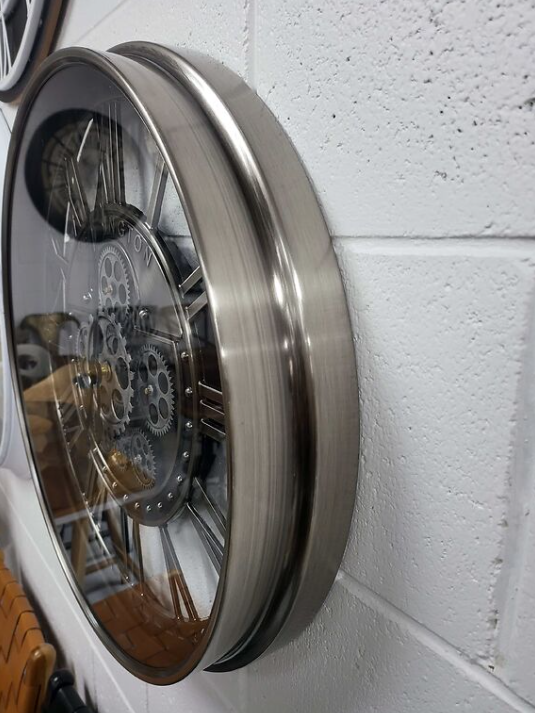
pixel 416 122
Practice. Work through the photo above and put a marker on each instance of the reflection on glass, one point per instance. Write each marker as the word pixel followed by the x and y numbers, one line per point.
pixel 2 395
pixel 118 369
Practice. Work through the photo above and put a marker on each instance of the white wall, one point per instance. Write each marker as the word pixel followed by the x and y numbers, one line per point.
pixel 416 122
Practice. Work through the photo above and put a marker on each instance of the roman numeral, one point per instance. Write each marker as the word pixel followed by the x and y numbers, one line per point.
pixel 59 298
pixel 196 306
pixel 120 538
pixel 210 541
pixel 212 413
pixel 110 186
pixel 190 281
pixel 199 302
pixel 79 209
pixel 159 183
pixel 136 541
pixel 59 242
pixel 180 594
pixel 213 508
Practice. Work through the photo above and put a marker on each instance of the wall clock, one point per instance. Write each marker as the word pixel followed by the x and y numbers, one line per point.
pixel 27 31
pixel 191 416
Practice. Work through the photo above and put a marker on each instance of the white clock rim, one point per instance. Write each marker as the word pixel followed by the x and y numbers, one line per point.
pixel 31 28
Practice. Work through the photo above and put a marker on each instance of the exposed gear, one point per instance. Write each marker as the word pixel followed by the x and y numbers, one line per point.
pixel 83 379
pixel 156 390
pixel 114 279
pixel 105 364
pixel 139 449
pixel 116 377
pixel 82 342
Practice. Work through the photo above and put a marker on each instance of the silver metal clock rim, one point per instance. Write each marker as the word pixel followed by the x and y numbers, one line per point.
pixel 252 137
pixel 325 523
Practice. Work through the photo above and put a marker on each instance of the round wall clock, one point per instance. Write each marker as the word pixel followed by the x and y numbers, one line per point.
pixel 27 31
pixel 191 401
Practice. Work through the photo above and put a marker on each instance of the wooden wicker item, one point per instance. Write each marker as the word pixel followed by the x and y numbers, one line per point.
pixel 26 661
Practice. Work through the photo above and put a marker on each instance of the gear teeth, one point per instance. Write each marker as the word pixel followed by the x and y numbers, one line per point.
pixel 150 378
pixel 113 282
pixel 140 446
pixel 118 427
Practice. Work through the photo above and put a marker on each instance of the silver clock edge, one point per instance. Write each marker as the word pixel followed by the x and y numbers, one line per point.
pixel 267 162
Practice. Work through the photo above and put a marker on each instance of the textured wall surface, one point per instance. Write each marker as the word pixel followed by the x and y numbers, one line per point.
pixel 416 122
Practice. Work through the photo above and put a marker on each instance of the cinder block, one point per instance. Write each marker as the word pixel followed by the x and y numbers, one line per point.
pixel 230 687
pixel 116 689
pixel 516 652
pixel 412 118
pixel 81 17
pixel 355 659
pixel 189 696
pixel 440 338
pixel 216 28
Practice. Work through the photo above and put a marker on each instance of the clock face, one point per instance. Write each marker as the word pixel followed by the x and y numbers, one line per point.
pixel 127 418
pixel 183 360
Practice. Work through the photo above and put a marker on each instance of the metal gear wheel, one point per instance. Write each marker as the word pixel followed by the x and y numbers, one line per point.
pixel 156 389
pixel 115 377
pixel 82 342
pixel 114 279
pixel 140 451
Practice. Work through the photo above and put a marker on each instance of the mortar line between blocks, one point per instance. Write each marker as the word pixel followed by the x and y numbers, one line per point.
pixel 521 496
pixel 103 19
pixel 250 48
pixel 454 245
pixel 5 120
pixel 436 643
pixel 380 237
pixel 243 688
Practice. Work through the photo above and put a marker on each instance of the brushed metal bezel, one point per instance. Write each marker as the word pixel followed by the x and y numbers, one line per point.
pixel 283 333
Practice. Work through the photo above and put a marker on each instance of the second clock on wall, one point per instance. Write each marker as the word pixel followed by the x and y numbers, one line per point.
pixel 27 33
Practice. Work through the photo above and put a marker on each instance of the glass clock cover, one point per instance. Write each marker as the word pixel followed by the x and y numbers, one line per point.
pixel 167 420
pixel 112 297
